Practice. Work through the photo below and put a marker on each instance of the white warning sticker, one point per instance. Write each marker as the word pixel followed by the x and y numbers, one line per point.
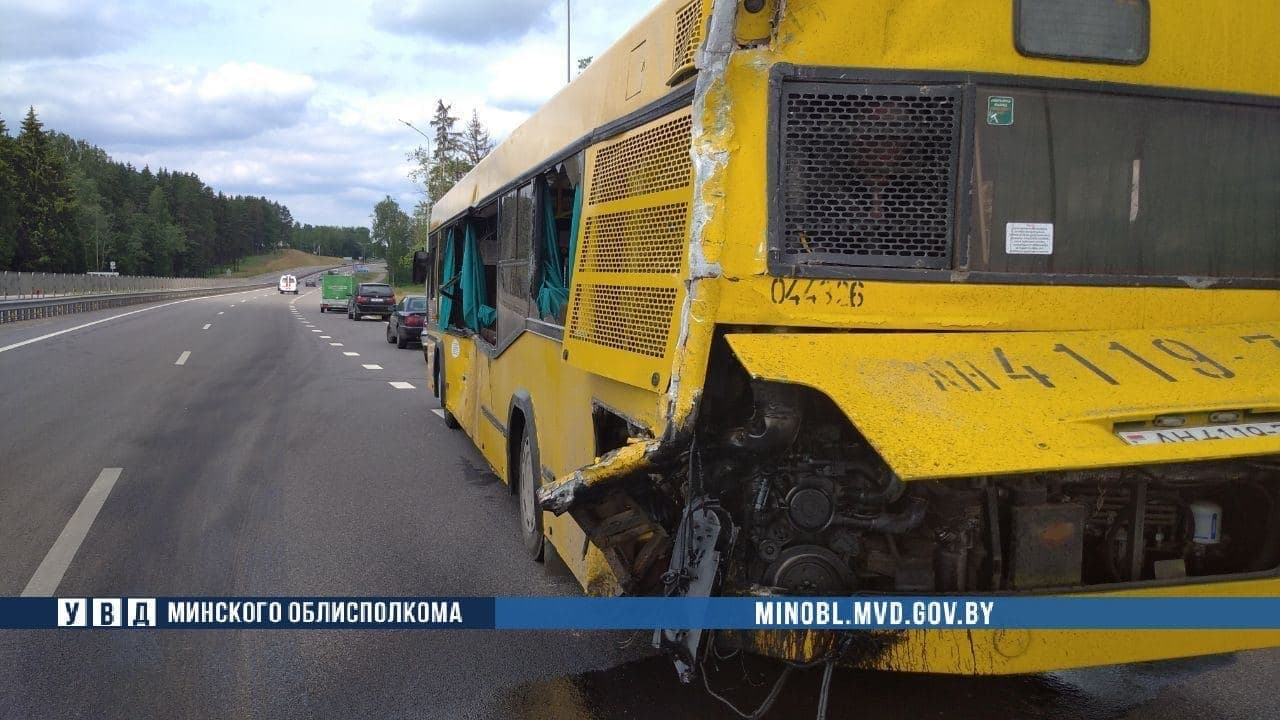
pixel 1028 238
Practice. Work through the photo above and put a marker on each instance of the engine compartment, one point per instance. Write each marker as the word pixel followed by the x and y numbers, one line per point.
pixel 803 505
pixel 827 517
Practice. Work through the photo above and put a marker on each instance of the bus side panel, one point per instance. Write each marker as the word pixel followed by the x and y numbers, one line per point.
pixel 562 397
pixel 490 430
pixel 459 354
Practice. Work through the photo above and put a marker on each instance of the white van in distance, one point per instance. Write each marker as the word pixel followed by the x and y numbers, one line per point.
pixel 288 284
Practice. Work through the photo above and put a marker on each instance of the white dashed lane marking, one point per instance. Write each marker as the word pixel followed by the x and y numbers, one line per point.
pixel 351 354
pixel 207 326
pixel 372 367
pixel 182 359
pixel 438 411
pixel 326 337
pixel 48 576
pixel 336 344
pixel 401 385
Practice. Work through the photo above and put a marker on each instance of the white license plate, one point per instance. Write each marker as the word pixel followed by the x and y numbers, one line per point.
pixel 375 300
pixel 1234 431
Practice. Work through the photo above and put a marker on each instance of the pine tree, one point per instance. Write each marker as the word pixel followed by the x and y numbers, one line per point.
pixel 446 168
pixel 8 197
pixel 45 238
pixel 475 141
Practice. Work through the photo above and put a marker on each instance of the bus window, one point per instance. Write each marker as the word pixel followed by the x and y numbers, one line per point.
pixel 485 228
pixel 515 244
pixel 468 274
pixel 553 250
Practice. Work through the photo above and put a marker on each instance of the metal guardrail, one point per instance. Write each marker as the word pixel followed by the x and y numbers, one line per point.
pixel 33 285
pixel 67 295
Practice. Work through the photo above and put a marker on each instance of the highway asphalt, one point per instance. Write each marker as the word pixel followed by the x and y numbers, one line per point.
pixel 273 462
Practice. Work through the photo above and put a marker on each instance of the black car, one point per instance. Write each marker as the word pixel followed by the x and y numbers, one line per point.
pixel 371 299
pixel 405 324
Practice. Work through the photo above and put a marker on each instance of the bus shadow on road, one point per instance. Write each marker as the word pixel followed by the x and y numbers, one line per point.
pixel 648 688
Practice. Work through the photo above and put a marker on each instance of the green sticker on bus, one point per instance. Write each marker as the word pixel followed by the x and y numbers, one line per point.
pixel 999 110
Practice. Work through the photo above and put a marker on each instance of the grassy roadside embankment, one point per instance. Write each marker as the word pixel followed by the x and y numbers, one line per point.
pixel 277 261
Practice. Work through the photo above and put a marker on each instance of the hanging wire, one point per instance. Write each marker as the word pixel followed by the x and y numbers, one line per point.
pixel 768 702
pixel 825 693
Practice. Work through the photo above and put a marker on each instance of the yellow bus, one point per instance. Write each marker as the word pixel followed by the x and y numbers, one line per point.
pixel 786 297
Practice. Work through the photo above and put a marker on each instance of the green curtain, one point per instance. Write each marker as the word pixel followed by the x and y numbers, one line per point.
pixel 553 293
pixel 475 314
pixel 448 282
pixel 573 235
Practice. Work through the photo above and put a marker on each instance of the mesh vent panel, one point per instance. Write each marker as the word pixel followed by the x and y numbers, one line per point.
pixel 649 240
pixel 688 35
pixel 635 319
pixel 652 161
pixel 868 174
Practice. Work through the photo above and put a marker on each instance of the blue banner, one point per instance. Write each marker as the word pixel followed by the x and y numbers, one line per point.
pixel 644 613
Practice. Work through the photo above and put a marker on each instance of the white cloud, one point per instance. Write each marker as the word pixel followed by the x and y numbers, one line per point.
pixel 159 105
pixel 471 21
pixel 34 29
pixel 299 100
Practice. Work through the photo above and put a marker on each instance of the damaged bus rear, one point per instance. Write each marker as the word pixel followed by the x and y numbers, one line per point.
pixel 965 298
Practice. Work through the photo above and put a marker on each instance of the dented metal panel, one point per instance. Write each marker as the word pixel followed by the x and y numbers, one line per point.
pixel 940 405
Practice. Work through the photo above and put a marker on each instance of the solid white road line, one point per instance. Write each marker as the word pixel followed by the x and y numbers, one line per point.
pixel 401 385
pixel 372 367
pixel 438 411
pixel 49 575
pixel 24 343
pixel 182 359
pixel 351 354
pixel 207 326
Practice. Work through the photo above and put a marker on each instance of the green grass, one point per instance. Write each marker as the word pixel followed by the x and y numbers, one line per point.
pixel 277 261
pixel 402 290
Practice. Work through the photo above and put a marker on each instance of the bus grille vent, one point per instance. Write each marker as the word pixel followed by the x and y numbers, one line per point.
pixel 868 174
pixel 647 240
pixel 688 38
pixel 635 319
pixel 652 161
pixel 628 282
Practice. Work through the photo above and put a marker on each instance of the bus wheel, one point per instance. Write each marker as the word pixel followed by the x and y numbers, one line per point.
pixel 530 514
pixel 450 421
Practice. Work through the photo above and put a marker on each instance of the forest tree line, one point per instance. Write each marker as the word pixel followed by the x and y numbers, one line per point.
pixel 66 206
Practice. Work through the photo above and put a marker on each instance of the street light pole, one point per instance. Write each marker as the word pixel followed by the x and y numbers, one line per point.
pixel 428 137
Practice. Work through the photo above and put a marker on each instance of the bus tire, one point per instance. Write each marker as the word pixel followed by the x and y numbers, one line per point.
pixel 450 421
pixel 527 486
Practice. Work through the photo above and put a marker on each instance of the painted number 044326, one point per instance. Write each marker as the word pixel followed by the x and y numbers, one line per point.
pixel 800 291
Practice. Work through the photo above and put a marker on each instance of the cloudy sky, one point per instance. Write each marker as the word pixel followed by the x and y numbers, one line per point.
pixel 296 100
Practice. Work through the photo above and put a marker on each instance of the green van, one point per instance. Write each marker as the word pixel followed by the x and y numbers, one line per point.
pixel 335 292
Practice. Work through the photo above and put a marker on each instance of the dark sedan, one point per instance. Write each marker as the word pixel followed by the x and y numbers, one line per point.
pixel 405 323
pixel 371 299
